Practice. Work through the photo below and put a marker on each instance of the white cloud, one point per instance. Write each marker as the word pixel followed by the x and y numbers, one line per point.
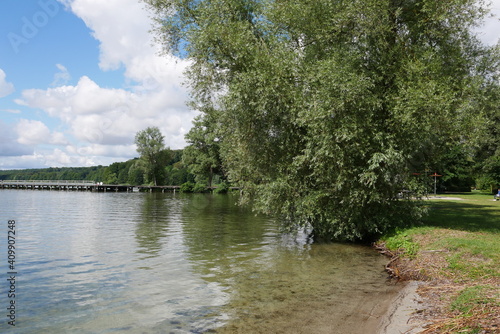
pixel 67 101
pixel 12 111
pixel 96 115
pixel 58 157
pixel 62 77
pixel 6 88
pixel 50 158
pixel 117 151
pixel 489 32
pixel 23 161
pixel 102 122
pixel 9 146
pixel 31 132
pixel 121 26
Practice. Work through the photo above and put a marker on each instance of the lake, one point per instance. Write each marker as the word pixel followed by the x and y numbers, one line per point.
pixel 177 263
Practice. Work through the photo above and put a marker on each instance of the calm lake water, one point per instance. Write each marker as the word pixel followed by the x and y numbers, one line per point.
pixel 175 263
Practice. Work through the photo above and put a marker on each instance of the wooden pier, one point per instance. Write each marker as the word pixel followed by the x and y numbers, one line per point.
pixel 70 185
pixel 162 189
pixel 67 185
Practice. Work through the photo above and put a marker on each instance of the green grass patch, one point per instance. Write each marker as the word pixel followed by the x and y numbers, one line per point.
pixel 467 231
pixel 401 241
pixel 472 297
pixel 472 234
pixel 474 212
pixel 471 255
pixel 460 243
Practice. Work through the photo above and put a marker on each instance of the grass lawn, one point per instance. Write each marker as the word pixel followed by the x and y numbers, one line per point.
pixel 457 251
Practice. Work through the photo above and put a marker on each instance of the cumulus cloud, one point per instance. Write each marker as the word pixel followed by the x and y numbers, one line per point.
pixel 32 160
pixel 103 150
pixel 121 26
pixel 100 123
pixel 55 157
pixel 31 132
pixel 6 88
pixel 65 102
pixel 96 115
pixel 9 146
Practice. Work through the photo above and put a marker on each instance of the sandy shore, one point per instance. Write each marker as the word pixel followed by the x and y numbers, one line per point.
pixel 400 318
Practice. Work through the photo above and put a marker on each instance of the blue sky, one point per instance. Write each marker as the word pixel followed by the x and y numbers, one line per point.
pixel 78 79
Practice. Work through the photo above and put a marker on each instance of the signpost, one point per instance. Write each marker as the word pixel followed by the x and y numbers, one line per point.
pixel 435 175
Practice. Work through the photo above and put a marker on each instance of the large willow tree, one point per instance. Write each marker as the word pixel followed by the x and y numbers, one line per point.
pixel 325 107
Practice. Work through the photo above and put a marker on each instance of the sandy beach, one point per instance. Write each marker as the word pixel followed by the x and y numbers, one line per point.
pixel 400 317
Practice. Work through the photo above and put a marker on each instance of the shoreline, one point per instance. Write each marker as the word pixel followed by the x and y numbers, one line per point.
pixel 400 317
pixel 450 268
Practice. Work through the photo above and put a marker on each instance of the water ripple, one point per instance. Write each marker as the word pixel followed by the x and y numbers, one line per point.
pixel 156 263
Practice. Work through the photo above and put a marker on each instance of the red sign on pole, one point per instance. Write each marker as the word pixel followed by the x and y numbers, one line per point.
pixel 435 175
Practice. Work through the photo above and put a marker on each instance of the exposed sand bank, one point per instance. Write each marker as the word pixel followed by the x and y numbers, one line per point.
pixel 326 315
pixel 339 295
pixel 401 316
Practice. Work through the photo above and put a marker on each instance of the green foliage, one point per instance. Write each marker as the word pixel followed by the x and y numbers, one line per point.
pixel 135 174
pixel 191 187
pixel 456 166
pixel 402 241
pixel 202 155
pixel 487 154
pixel 94 173
pixel 325 108
pixel 490 171
pixel 222 188
pixel 128 172
pixel 151 147
pixel 200 188
pixel 177 175
pixel 187 187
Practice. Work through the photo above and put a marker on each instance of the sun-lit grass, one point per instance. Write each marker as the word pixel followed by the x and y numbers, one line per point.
pixel 475 309
pixel 402 241
pixel 471 297
pixel 471 235
pixel 473 212
pixel 458 243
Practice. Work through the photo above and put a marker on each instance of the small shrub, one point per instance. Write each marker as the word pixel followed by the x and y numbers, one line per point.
pixel 187 187
pixel 401 241
pixel 222 188
pixel 199 188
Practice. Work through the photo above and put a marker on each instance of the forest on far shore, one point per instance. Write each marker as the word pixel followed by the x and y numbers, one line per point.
pixel 128 172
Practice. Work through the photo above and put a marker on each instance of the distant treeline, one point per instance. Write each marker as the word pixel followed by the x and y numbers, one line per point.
pixel 128 172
